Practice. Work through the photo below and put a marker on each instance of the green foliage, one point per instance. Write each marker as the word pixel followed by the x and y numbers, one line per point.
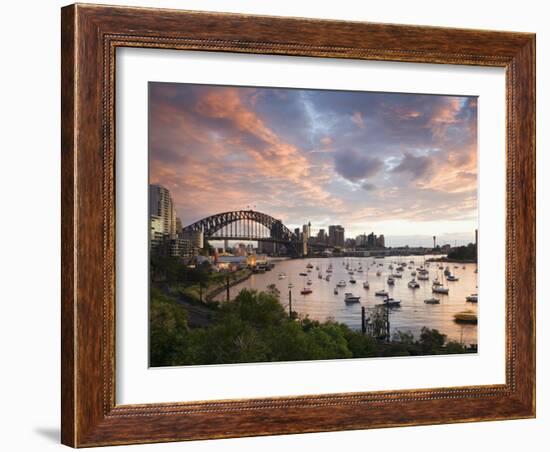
pixel 403 337
pixel 431 340
pixel 254 327
pixel 454 347
pixel 167 330
pixel 464 253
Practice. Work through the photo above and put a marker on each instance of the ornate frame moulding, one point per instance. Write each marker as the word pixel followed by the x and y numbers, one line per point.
pixel 90 36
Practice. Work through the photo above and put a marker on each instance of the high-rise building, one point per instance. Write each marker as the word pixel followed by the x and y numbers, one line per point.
pixel 322 236
pixel 371 240
pixel 306 233
pixel 336 235
pixel 380 241
pixel 162 206
pixel 196 238
pixel 156 235
pixel 361 241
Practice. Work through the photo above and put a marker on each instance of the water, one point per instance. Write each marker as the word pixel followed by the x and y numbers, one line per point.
pixel 413 314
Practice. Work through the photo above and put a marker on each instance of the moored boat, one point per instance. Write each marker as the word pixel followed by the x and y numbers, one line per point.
pixel 440 289
pixel 432 300
pixel 466 317
pixel 350 298
pixel 366 285
pixel 472 298
pixel 413 284
pixel 392 302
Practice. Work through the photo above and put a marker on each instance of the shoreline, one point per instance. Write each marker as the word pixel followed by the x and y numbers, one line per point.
pixel 452 261
pixel 215 291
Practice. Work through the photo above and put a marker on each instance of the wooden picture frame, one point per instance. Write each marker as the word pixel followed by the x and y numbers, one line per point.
pixel 90 36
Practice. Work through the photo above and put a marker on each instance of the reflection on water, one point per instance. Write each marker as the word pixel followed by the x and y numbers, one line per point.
pixel 413 314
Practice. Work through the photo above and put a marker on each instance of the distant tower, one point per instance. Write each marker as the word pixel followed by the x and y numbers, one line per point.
pixel 434 241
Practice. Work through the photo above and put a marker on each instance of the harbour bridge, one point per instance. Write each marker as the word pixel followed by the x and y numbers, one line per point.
pixel 247 225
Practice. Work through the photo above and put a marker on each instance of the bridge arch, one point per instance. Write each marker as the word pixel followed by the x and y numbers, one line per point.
pixel 213 225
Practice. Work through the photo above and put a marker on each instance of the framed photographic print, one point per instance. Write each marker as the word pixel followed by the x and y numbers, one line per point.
pixel 279 225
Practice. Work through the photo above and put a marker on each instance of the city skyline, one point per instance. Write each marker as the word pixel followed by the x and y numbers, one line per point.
pixel 402 165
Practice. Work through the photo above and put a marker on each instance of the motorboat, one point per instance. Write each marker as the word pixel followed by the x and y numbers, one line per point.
pixel 381 293
pixel 397 275
pixel 432 300
pixel 309 282
pixel 391 281
pixel 413 284
pixel 440 289
pixel 310 265
pixel 466 317
pixel 423 277
pixel 306 291
pixel 282 275
pixel 436 282
pixel 452 277
pixel 472 298
pixel 327 278
pixel 290 285
pixel 350 298
pixel 392 302
pixel 447 271
pixel 352 280
pixel 341 283
pixel 336 291
pixel 303 274
pixel 413 273
pixel 366 285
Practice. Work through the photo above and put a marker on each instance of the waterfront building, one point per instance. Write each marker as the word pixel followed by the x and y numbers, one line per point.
pixel 178 247
pixel 350 243
pixel 306 234
pixel 156 235
pixel 361 241
pixel 195 237
pixel 231 263
pixel 371 241
pixel 161 205
pixel 336 235
pixel 322 236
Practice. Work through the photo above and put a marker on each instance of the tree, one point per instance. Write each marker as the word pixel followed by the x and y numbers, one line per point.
pixel 168 330
pixel 431 340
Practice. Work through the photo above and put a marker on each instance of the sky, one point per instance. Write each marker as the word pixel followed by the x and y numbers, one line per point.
pixel 402 165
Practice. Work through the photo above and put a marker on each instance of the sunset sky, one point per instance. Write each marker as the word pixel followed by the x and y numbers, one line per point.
pixel 402 165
